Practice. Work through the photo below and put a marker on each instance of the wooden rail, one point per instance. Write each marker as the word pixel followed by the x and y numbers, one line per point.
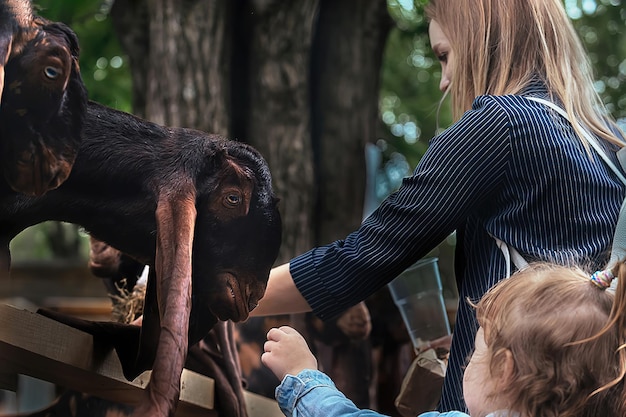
pixel 34 345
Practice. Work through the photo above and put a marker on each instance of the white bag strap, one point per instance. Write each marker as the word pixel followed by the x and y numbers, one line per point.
pixel 592 141
pixel 511 255
pixel 618 250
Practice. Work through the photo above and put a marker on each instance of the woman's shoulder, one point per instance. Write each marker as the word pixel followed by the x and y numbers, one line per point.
pixel 512 104
pixel 517 112
pixel 503 125
pixel 498 112
pixel 496 116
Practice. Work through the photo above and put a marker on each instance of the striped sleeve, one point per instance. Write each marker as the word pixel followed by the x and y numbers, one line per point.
pixel 455 176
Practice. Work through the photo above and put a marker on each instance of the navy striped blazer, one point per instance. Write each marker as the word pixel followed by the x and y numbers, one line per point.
pixel 510 168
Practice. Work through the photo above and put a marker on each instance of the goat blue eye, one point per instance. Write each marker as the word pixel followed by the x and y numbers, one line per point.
pixel 51 72
pixel 233 199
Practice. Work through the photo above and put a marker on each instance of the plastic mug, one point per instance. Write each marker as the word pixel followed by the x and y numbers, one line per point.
pixel 418 295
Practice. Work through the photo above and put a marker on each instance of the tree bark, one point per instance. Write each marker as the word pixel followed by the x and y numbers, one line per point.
pixel 180 58
pixel 297 80
pixel 278 120
pixel 347 57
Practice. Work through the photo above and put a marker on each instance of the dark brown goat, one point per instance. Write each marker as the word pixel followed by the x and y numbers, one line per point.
pixel 197 208
pixel 43 99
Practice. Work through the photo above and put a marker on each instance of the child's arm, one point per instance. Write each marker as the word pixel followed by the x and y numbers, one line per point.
pixel 304 391
pixel 312 393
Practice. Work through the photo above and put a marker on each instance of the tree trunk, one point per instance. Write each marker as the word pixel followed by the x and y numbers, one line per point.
pixel 297 80
pixel 180 59
pixel 278 114
pixel 347 57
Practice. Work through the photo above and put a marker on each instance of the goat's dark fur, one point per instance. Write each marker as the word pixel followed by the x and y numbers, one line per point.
pixel 182 201
pixel 43 99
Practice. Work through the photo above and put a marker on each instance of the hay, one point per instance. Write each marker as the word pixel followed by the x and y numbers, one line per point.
pixel 127 306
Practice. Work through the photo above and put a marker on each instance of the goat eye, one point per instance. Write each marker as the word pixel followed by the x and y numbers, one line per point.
pixel 52 72
pixel 233 199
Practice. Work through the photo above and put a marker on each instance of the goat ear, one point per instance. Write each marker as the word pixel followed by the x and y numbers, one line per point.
pixel 214 159
pixel 175 219
pixel 69 35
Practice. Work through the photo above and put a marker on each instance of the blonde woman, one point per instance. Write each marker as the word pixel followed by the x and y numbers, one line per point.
pixel 509 168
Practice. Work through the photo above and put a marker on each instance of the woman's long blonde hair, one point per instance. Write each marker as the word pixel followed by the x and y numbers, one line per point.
pixel 501 45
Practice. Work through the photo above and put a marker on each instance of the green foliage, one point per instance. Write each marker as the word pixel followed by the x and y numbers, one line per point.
pixel 410 88
pixel 50 240
pixel 600 25
pixel 410 73
pixel 410 99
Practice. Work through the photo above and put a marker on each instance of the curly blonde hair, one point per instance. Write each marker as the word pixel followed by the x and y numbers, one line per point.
pixel 501 46
pixel 567 339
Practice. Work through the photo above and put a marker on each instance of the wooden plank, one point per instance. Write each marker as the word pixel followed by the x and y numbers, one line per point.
pixel 40 347
pixel 89 308
pixel 260 406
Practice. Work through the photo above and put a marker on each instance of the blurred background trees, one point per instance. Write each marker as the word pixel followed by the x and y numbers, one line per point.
pixel 308 83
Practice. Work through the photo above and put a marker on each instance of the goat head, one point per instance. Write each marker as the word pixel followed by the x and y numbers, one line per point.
pixel 42 109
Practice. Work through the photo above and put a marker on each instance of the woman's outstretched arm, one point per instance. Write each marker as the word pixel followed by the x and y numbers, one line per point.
pixel 281 296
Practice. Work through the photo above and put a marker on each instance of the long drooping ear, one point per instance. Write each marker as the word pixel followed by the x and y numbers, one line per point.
pixel 16 18
pixel 175 220
pixel 68 34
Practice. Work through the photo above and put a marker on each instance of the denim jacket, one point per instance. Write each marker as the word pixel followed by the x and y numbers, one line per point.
pixel 313 394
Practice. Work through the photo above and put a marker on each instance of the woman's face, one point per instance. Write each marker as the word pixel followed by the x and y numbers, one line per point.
pixel 441 47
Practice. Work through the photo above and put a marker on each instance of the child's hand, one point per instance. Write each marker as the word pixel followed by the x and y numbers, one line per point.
pixel 286 352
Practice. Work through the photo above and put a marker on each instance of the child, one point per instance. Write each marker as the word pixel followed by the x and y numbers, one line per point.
pixel 551 343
